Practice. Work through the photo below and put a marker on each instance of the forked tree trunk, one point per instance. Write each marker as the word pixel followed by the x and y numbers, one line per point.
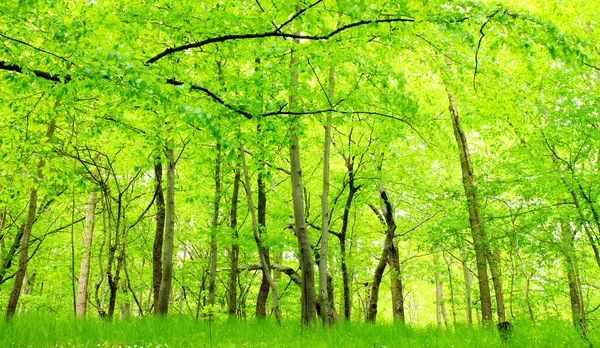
pixel 84 269
pixel 157 249
pixel 31 213
pixel 475 219
pixel 215 224
pixel 387 216
pixel 234 254
pixel 265 267
pixel 167 274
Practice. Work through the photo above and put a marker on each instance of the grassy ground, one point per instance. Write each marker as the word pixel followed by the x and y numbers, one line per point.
pixel 45 331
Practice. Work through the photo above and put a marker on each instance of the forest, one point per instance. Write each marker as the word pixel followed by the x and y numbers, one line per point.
pixel 422 165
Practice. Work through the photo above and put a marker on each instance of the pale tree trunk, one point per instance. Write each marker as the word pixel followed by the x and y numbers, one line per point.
pixel 323 271
pixel 215 224
pixel 396 284
pixel 308 295
pixel 31 212
pixel 386 215
pixel 167 274
pixel 265 267
pixel 451 285
pixel 475 219
pixel 84 269
pixel 467 276
pixel 157 249
pixel 575 293
pixel 439 296
pixel 234 254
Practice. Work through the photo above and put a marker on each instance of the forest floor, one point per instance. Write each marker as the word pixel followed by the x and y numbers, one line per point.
pixel 49 331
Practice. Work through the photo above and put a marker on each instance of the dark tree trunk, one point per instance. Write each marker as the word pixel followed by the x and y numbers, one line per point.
pixel 158 233
pixel 234 255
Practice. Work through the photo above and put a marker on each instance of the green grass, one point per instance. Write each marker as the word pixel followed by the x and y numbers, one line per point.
pixel 46 331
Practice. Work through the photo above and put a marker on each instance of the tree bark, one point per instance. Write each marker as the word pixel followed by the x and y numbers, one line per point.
pixel 396 284
pixel 263 291
pixel 308 295
pixel 387 216
pixel 477 228
pixel 467 276
pixel 167 274
pixel 265 267
pixel 323 271
pixel 215 224
pixel 575 293
pixel 234 254
pixel 31 213
pixel 84 269
pixel 159 232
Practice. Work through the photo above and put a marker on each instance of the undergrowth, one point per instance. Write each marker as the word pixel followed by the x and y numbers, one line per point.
pixel 44 331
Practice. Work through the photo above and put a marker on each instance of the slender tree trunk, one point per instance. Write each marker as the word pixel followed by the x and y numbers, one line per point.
pixel 439 296
pixel 167 274
pixel 265 267
pixel 323 271
pixel 451 284
pixel 84 269
pixel 467 276
pixel 308 295
pixel 493 262
pixel 215 225
pixel 234 255
pixel 387 216
pixel 396 284
pixel 31 213
pixel 157 249
pixel 575 294
pixel 477 228
pixel 263 291
pixel 352 189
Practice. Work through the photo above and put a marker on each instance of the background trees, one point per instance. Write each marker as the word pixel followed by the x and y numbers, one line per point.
pixel 132 87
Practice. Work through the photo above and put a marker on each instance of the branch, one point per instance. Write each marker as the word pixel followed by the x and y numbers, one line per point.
pixel 297 14
pixel 274 33
pixel 35 48
pixel 479 45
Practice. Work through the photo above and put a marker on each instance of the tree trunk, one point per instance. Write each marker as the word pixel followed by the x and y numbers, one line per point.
pixel 234 255
pixel 265 267
pixel 477 228
pixel 167 274
pixel 493 262
pixel 387 216
pixel 352 189
pixel 84 269
pixel 158 233
pixel 263 291
pixel 575 294
pixel 215 224
pixel 440 306
pixel 31 212
pixel 323 271
pixel 308 294
pixel 467 276
pixel 396 284
pixel 451 284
